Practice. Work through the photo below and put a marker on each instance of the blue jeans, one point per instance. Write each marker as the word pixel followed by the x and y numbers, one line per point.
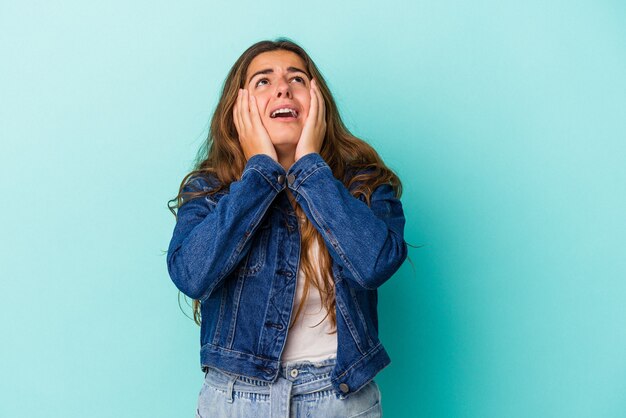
pixel 302 389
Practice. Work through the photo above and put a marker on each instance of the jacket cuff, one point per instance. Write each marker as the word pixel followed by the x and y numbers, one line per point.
pixel 271 170
pixel 304 168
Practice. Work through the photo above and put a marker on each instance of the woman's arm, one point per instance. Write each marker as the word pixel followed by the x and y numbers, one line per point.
pixel 366 240
pixel 210 239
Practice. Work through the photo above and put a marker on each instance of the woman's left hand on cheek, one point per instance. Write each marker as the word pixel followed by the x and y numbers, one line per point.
pixel 314 128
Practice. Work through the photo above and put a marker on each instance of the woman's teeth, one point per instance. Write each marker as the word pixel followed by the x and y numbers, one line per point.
pixel 284 112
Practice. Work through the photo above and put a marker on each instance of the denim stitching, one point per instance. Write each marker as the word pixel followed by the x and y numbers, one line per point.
pixel 233 320
pixel 360 314
pixel 220 317
pixel 350 325
pixel 233 257
pixel 334 242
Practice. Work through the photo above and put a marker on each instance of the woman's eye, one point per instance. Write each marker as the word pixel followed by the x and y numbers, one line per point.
pixel 298 78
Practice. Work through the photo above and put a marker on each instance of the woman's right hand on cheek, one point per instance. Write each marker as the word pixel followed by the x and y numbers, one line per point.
pixel 253 136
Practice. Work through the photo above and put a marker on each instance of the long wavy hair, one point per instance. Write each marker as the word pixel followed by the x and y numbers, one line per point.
pixel 221 156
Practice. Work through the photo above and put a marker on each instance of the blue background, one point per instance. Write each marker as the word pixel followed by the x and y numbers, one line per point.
pixel 505 121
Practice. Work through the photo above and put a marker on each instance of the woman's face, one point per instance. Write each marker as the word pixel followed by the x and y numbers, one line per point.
pixel 278 80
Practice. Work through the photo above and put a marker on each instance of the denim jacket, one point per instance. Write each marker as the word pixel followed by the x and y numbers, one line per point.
pixel 238 252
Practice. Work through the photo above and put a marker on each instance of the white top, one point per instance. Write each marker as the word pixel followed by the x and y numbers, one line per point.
pixel 304 341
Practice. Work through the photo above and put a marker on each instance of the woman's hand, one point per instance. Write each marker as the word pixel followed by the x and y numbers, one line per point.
pixel 253 136
pixel 314 129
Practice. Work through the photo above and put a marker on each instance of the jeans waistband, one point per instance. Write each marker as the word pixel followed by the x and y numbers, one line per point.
pixel 305 377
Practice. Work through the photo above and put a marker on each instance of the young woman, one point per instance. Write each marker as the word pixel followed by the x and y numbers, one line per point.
pixel 285 229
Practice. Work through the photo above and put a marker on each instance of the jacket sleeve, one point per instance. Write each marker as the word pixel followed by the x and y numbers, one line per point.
pixel 366 240
pixel 210 238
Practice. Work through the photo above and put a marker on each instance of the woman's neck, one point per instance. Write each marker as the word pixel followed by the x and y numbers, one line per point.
pixel 286 155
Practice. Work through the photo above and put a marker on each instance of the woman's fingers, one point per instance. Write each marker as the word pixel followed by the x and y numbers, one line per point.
pixel 243 129
pixel 245 118
pixel 311 120
pixel 253 136
pixel 265 142
pixel 314 128
pixel 316 112
pixel 321 108
pixel 253 119
pixel 236 117
pixel 254 113
pixel 313 106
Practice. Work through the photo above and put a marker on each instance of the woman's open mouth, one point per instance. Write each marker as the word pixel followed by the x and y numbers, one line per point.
pixel 284 114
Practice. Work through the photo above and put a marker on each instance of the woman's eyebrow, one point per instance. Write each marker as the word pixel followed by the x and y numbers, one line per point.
pixel 269 71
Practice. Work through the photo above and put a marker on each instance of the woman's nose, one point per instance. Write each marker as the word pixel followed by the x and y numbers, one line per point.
pixel 283 89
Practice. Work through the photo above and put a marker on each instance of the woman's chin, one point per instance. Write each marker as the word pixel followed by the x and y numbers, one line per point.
pixel 284 140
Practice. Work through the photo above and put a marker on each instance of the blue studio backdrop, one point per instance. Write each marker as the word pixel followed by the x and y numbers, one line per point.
pixel 506 122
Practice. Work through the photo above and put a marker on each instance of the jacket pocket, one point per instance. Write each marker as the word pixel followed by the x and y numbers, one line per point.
pixel 361 316
pixel 255 259
pixel 348 306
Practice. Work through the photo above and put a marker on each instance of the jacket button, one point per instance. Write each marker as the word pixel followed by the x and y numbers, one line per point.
pixel 344 388
pixel 291 179
pixel 281 178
